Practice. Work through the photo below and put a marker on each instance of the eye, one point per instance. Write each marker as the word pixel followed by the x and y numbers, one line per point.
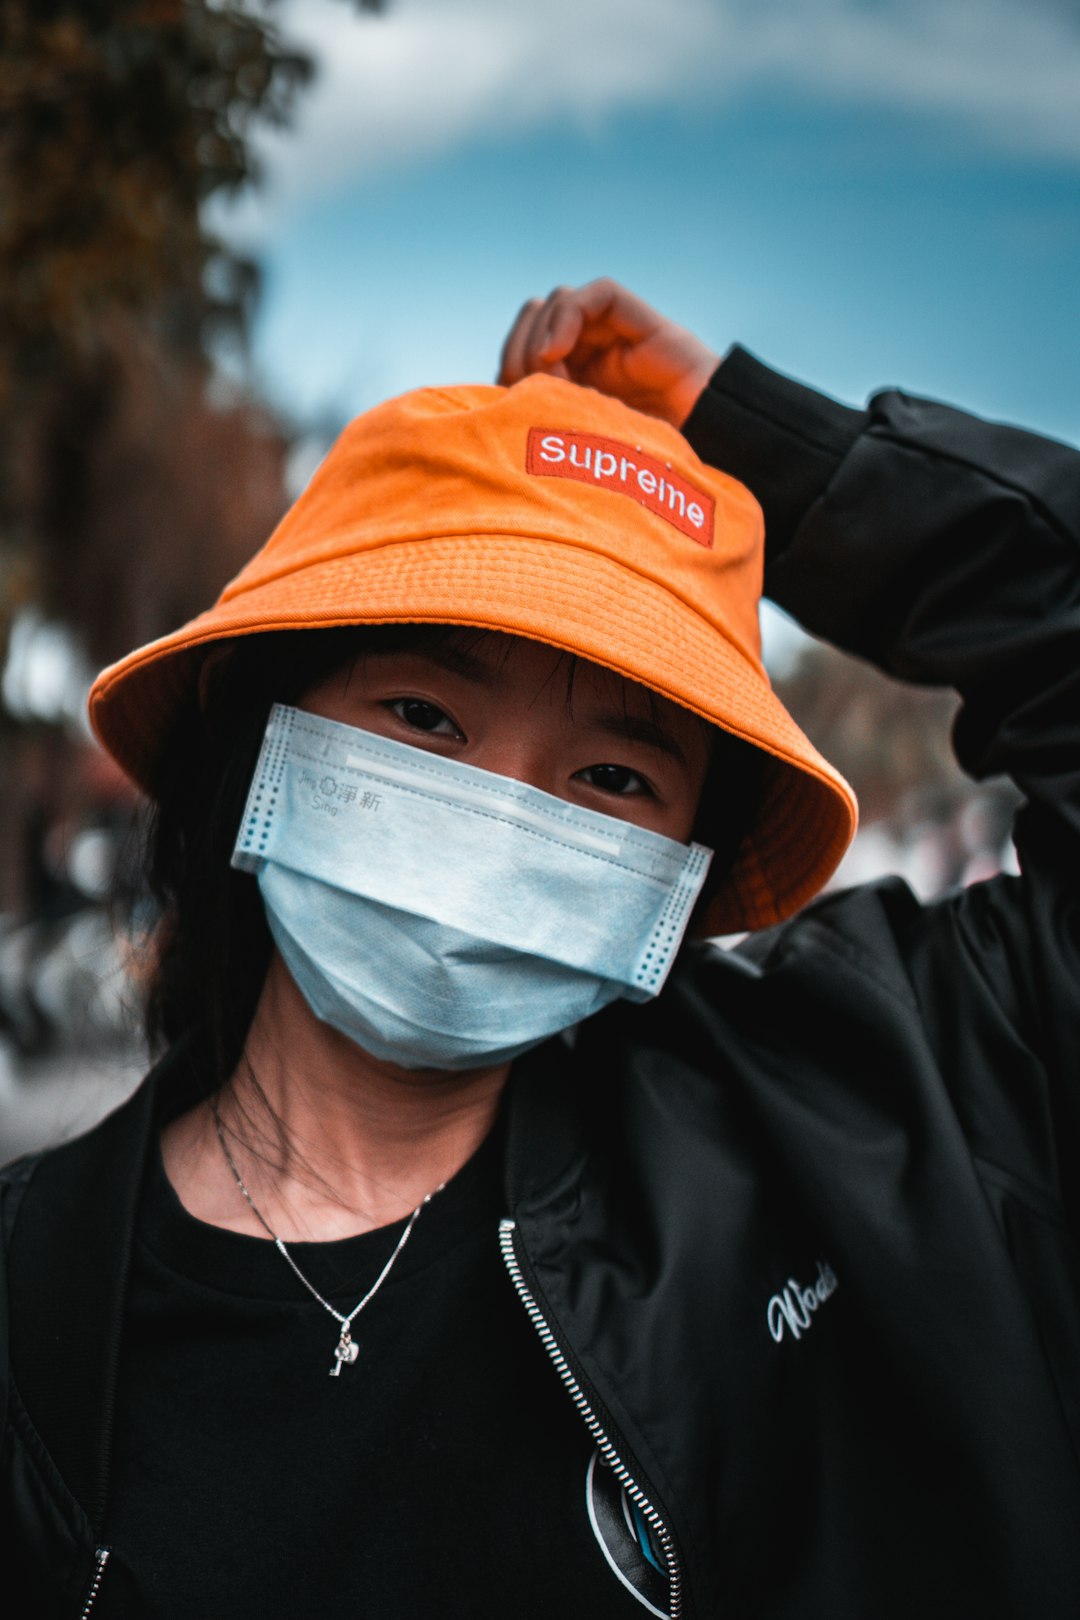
pixel 424 716
pixel 616 779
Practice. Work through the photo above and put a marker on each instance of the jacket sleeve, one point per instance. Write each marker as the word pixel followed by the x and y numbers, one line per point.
pixel 945 550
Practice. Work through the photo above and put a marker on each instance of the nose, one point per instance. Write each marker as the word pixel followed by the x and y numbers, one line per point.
pixel 512 751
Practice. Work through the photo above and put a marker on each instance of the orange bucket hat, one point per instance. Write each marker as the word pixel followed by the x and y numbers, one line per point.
pixel 548 511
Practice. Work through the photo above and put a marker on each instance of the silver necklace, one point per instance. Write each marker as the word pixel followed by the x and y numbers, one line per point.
pixel 346 1350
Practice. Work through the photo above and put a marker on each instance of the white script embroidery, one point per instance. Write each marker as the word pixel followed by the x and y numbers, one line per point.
pixel 795 1307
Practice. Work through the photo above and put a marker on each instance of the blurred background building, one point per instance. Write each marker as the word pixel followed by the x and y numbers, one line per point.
pixel 225 228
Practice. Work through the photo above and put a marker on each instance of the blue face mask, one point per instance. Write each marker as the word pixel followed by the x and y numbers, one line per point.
pixel 444 917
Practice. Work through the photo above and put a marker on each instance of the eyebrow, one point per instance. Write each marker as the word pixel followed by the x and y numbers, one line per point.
pixel 636 728
pixel 455 660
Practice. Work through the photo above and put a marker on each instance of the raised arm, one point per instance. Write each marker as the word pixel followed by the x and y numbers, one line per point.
pixel 945 550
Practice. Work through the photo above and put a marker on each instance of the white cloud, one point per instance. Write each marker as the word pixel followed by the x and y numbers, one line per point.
pixel 431 75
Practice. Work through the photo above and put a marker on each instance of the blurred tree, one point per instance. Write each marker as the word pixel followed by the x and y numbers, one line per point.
pixel 919 813
pixel 119 120
pixel 886 737
pixel 131 485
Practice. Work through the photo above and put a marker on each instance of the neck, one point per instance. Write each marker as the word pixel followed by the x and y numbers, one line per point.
pixel 329 1140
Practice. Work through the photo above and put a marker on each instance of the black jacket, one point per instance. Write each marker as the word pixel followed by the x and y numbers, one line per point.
pixel 803 1247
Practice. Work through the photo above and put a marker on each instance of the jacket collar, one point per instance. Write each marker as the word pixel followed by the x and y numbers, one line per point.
pixel 544 1126
pixel 68 1269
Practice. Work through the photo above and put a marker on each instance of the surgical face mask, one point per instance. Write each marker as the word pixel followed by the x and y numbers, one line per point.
pixel 444 917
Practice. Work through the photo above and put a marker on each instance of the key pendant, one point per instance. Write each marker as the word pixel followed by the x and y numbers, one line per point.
pixel 345 1351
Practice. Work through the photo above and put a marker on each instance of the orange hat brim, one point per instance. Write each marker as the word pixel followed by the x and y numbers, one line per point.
pixel 568 596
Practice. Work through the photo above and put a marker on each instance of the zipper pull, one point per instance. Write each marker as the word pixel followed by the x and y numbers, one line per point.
pixel 101 1558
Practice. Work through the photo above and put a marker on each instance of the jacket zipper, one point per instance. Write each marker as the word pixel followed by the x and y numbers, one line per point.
pixel 592 1422
pixel 101 1557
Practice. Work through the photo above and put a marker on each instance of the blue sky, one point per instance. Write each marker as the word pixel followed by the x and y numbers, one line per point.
pixel 865 192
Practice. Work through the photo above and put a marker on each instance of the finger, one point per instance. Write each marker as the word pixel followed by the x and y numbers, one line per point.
pixel 608 305
pixel 564 322
pixel 512 365
pixel 537 351
pixel 535 337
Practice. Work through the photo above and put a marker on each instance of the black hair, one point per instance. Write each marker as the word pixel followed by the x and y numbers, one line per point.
pixel 212 944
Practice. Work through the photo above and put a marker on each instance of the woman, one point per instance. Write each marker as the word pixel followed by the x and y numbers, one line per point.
pixel 737 1283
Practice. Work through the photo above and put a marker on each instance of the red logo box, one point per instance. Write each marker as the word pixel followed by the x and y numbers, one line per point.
pixel 609 464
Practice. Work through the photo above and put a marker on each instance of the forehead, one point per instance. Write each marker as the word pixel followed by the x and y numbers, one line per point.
pixel 496 660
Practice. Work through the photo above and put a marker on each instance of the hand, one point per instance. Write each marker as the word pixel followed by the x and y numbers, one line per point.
pixel 603 336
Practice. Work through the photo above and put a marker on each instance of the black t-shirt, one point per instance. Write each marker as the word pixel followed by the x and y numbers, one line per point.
pixel 445 1473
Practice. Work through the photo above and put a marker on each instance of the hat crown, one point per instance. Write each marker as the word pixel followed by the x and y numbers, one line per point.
pixel 545 459
pixel 547 511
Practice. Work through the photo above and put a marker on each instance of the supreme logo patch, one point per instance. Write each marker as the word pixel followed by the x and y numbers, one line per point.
pixel 609 464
